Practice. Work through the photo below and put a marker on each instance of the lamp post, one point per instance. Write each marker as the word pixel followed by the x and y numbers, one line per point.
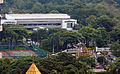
pixel 53 41
pixel 9 42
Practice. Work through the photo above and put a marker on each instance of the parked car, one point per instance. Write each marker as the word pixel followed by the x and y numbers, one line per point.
pixel 99 67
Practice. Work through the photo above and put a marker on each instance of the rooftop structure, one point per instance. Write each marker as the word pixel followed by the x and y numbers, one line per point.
pixel 41 20
pixel 33 70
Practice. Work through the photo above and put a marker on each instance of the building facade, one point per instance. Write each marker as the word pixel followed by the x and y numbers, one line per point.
pixel 41 20
pixel 1 1
pixel 0 23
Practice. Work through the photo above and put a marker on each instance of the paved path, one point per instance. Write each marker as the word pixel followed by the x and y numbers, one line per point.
pixel 98 70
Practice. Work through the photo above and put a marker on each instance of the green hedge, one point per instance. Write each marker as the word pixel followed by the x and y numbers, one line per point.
pixel 105 72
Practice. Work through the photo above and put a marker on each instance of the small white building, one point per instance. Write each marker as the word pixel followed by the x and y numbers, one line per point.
pixel 41 20
pixel 102 49
pixel 0 23
pixel 0 20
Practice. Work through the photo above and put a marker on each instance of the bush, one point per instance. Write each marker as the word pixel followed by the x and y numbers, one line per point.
pixel 105 72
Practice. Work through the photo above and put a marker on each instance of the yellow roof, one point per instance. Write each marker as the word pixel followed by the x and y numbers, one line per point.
pixel 33 70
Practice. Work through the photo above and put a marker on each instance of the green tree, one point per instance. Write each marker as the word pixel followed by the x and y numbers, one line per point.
pixel 4 8
pixel 54 11
pixel 115 48
pixel 105 22
pixel 101 59
pixel 4 64
pixel 91 20
pixel 55 41
pixel 103 37
pixel 115 34
pixel 70 37
pixel 89 34
pixel 37 7
pixel 64 63
pixel 21 65
pixel 13 32
pixel 89 60
pixel 39 35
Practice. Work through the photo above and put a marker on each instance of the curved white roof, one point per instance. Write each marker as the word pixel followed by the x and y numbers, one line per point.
pixel 36 16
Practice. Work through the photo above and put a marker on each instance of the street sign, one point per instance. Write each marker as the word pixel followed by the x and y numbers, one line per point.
pixel 1 1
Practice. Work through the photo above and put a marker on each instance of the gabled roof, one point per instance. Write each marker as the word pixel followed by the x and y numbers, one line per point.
pixel 33 70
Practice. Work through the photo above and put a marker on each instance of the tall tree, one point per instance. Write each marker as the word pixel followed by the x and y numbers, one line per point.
pixel 115 48
pixel 89 34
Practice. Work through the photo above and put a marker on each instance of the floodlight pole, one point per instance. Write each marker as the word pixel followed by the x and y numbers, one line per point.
pixel 1 16
pixel 53 49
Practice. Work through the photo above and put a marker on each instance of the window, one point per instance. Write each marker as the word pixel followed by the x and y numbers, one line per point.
pixel 69 25
pixel 0 21
pixel 39 24
pixel 30 25
pixel 49 24
pixel 35 24
pixel 25 24
pixel 44 24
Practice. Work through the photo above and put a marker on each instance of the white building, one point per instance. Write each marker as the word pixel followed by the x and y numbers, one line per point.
pixel 0 19
pixel 41 20
pixel 102 49
pixel 0 23
pixel 0 55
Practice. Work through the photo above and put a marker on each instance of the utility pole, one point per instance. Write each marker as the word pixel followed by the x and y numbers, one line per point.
pixel 53 49
pixel 9 42
pixel 53 43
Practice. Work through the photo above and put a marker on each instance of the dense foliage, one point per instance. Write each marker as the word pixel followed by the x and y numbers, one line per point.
pixel 98 25
pixel 60 39
pixel 98 14
pixel 62 64
pixel 13 33
pixel 98 22
pixel 115 48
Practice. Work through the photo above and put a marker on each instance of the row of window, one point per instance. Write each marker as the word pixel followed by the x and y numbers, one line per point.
pixel 40 24
pixel 9 22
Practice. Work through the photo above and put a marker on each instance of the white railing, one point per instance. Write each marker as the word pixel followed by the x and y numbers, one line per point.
pixel 103 49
